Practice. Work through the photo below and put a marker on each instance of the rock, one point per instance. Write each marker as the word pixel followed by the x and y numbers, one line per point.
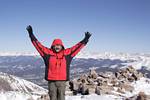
pixel 83 78
pixel 130 69
pixel 68 87
pixel 141 96
pixel 132 98
pixel 147 81
pixel 114 82
pixel 122 70
pixel 98 90
pixel 109 74
pixel 140 75
pixel 127 87
pixel 117 74
pixel 100 82
pixel 90 81
pixel 135 76
pixel 44 97
pixel 103 75
pixel 131 79
pixel 103 90
pixel 121 90
pixel 93 74
pixel 83 89
pixel 91 89
pixel 145 75
pixel 74 86
pixel 105 83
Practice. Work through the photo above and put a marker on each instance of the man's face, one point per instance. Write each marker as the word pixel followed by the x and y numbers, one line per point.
pixel 58 48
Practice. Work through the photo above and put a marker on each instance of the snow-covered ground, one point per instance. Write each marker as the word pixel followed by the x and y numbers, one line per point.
pixel 94 97
pixel 15 88
pixel 142 85
pixel 14 95
pixel 22 96
pixel 18 84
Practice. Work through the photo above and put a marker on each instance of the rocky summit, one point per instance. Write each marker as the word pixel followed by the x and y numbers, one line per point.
pixel 117 83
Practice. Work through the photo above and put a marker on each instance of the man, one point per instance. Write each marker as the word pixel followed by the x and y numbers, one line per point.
pixel 57 60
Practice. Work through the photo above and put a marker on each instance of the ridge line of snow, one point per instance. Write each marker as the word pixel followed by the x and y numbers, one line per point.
pixel 81 54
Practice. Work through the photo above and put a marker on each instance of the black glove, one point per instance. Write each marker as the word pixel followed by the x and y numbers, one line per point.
pixel 87 35
pixel 86 38
pixel 29 29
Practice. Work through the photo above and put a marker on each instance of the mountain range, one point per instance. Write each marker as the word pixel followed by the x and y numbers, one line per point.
pixel 31 67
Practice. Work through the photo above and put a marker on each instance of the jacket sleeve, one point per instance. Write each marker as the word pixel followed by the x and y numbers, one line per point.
pixel 39 47
pixel 77 48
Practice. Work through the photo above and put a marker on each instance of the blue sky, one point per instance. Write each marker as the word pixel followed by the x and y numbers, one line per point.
pixel 116 25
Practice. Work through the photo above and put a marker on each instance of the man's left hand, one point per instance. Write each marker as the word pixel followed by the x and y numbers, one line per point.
pixel 87 35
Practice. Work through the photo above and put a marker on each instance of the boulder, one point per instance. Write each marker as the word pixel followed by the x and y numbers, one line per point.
pixel 99 82
pixel 93 74
pixel 121 90
pixel 74 86
pixel 91 89
pixel 142 96
pixel 114 82
pixel 90 81
pixel 127 87
pixel 139 96
pixel 43 97
pixel 105 83
pixel 83 78
pixel 103 90
pixel 83 89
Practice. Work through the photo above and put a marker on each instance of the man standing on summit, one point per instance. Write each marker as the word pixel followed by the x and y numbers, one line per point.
pixel 57 60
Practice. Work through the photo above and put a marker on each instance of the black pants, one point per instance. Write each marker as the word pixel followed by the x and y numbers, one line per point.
pixel 57 90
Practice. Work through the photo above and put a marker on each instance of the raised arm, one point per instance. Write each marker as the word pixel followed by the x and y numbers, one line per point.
pixel 40 48
pixel 76 48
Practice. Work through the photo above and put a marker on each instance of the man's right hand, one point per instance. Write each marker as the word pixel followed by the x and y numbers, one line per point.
pixel 87 35
pixel 29 29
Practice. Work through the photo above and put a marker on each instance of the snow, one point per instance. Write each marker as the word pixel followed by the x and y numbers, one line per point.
pixel 22 96
pixel 20 89
pixel 139 59
pixel 19 84
pixel 142 85
pixel 93 97
pixel 19 54
pixel 14 95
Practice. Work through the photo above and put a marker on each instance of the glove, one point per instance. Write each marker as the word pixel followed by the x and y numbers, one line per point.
pixel 86 38
pixel 87 35
pixel 29 29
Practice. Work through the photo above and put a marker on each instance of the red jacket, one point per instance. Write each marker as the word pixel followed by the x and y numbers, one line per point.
pixel 57 64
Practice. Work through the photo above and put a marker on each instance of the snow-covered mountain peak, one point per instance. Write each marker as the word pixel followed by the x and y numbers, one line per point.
pixel 12 83
pixel 14 88
pixel 110 55
pixel 19 54
pixel 137 60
